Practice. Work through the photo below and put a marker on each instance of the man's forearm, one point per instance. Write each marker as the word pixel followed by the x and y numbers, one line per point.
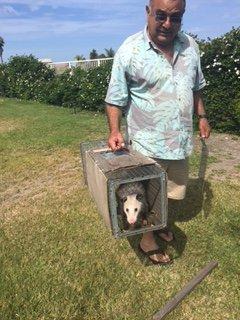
pixel 115 139
pixel 199 109
pixel 198 103
pixel 114 115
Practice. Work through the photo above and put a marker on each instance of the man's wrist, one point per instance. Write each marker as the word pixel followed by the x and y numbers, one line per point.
pixel 202 116
pixel 115 131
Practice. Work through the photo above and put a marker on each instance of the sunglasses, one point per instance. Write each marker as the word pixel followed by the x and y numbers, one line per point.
pixel 162 17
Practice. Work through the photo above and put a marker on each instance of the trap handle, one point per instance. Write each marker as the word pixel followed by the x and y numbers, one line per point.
pixel 106 149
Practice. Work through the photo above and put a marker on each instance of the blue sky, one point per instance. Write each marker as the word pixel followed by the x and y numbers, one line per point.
pixel 62 29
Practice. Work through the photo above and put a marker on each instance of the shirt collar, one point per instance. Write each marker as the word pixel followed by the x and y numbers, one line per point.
pixel 149 44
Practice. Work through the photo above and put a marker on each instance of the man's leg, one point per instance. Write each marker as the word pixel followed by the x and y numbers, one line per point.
pixel 177 173
pixel 148 243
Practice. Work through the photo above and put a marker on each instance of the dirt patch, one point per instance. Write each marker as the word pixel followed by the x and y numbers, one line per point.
pixel 223 156
pixel 9 125
pixel 62 176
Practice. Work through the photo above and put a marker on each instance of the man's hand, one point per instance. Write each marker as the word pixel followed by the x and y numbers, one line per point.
pixel 204 128
pixel 115 141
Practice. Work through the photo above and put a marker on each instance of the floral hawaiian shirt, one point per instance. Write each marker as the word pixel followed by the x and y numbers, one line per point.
pixel 157 95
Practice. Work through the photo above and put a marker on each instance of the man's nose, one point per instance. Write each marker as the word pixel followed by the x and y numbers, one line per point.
pixel 167 23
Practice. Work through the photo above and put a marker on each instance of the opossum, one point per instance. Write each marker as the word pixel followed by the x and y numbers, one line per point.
pixel 132 204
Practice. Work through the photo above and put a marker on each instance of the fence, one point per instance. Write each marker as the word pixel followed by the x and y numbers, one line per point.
pixel 60 67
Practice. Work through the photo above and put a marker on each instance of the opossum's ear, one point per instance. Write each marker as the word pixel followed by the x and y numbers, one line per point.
pixel 124 199
pixel 139 197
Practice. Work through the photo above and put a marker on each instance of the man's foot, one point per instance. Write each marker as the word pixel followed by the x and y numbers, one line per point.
pixel 165 234
pixel 156 256
pixel 149 247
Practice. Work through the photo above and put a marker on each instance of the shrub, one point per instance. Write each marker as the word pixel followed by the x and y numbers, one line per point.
pixel 64 89
pixel 3 79
pixel 75 83
pixel 27 78
pixel 80 89
pixel 221 67
pixel 94 87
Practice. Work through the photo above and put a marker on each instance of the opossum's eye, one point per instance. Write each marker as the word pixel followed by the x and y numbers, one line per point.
pixel 127 210
pixel 135 209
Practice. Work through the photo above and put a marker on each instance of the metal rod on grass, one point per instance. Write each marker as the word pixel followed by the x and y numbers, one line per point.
pixel 185 291
pixel 202 170
pixel 203 160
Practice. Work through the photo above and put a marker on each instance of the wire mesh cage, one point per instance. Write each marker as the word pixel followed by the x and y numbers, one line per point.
pixel 105 172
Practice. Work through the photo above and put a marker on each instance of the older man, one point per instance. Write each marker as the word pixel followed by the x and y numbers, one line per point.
pixel 157 80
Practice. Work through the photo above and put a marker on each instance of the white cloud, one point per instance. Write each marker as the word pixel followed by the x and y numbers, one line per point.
pixel 104 4
pixel 49 25
pixel 18 29
pixel 8 11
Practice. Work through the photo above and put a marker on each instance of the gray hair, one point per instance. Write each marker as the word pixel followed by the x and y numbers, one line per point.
pixel 184 2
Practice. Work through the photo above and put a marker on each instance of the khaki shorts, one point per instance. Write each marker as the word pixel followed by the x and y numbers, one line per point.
pixel 177 178
pixel 177 174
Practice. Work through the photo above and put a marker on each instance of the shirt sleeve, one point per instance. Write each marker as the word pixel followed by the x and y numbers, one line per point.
pixel 118 93
pixel 200 81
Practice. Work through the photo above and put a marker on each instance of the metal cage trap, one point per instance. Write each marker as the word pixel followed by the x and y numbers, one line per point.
pixel 104 171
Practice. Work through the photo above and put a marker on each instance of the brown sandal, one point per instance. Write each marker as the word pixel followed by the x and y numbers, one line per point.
pixel 152 252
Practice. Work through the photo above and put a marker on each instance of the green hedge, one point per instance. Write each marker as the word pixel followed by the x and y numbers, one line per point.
pixel 80 89
pixel 221 67
pixel 25 77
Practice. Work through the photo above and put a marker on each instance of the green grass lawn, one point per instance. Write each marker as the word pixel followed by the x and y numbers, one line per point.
pixel 57 259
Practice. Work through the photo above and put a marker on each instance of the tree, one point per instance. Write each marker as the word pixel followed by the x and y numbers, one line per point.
pixel 101 56
pixel 79 57
pixel 1 48
pixel 93 54
pixel 110 53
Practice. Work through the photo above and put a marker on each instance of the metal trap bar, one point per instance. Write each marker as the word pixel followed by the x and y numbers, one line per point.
pixel 132 175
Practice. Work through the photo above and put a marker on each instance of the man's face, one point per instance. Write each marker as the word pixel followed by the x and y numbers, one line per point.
pixel 164 20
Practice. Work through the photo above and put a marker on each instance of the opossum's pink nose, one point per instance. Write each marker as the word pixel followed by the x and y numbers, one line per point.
pixel 132 221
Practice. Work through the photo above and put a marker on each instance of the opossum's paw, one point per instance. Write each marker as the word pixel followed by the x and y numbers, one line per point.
pixel 144 222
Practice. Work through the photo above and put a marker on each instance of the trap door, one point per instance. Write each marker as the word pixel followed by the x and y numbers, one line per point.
pixel 148 173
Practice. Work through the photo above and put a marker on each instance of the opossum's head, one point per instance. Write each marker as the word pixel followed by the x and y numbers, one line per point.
pixel 131 207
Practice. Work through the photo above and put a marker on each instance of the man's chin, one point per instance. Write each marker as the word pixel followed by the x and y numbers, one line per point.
pixel 164 40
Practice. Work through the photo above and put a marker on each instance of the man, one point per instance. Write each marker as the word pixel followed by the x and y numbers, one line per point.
pixel 157 80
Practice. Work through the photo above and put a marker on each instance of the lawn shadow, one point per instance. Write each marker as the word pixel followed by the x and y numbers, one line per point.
pixel 198 200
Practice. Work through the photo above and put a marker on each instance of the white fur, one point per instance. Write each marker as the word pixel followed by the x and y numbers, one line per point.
pixel 132 207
